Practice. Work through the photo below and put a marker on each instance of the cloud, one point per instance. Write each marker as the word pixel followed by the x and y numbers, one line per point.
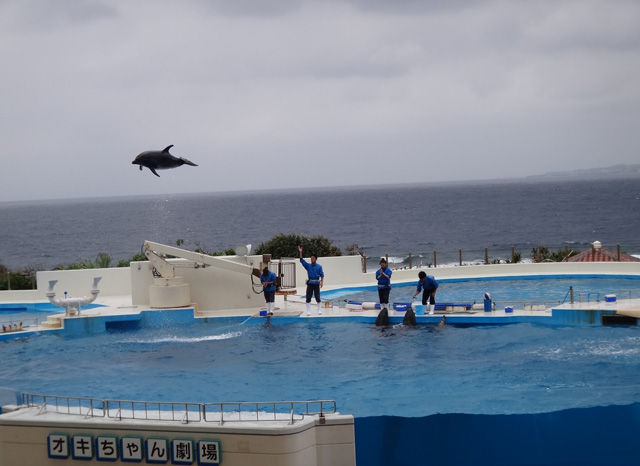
pixel 351 91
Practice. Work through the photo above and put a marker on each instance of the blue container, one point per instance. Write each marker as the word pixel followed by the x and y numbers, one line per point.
pixel 420 308
pixel 263 313
pixel 508 309
pixel 610 298
pixel 487 304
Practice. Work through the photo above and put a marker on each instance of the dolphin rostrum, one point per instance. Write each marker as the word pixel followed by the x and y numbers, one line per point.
pixel 160 160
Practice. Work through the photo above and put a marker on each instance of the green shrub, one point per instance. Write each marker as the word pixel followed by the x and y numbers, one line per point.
pixel 286 245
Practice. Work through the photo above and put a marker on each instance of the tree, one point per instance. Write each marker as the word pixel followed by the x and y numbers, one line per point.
pixel 286 245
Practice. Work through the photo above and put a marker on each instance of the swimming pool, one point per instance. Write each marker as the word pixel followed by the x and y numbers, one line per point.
pixel 511 394
pixel 30 313
pixel 518 368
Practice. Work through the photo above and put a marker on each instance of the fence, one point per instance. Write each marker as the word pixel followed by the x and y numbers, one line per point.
pixel 290 411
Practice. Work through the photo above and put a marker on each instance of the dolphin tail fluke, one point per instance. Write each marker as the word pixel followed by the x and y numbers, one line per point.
pixel 188 162
pixel 383 318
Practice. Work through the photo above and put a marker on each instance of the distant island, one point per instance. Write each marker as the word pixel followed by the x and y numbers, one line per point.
pixel 612 172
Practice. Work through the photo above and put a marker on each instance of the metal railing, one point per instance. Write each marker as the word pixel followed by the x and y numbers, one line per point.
pixel 266 411
pixel 290 411
pixel 81 406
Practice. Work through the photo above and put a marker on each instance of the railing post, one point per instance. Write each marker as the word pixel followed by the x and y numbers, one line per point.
pixel 364 263
pixel 486 256
pixel 460 256
pixel 435 259
pixel 513 254
pixel 410 262
pixel 618 253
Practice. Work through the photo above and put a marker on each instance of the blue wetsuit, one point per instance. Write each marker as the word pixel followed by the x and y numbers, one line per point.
pixel 314 273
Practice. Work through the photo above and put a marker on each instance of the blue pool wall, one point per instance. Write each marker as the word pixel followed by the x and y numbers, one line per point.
pixel 586 436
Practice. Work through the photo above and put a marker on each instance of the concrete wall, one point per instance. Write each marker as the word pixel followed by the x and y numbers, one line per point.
pixel 23 441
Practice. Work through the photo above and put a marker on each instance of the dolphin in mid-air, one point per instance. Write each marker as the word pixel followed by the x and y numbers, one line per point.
pixel 160 160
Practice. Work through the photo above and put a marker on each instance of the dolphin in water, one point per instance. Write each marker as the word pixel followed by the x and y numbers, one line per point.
pixel 383 318
pixel 160 160
pixel 409 317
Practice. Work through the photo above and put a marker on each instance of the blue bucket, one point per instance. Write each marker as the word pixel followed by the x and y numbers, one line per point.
pixel 419 308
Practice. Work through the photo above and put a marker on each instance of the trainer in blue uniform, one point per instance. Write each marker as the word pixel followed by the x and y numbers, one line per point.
pixel 383 275
pixel 315 280
pixel 268 280
pixel 429 285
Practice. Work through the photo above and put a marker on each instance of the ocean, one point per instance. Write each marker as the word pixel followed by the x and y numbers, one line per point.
pixel 395 220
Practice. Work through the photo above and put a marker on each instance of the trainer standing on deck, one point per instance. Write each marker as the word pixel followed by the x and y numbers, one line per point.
pixel 429 284
pixel 315 280
pixel 268 280
pixel 383 275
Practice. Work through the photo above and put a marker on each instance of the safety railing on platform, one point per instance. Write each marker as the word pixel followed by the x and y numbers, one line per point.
pixel 154 410
pixel 269 411
pixel 290 411
pixel 87 407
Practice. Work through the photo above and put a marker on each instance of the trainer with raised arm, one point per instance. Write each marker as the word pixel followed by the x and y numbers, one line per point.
pixel 315 280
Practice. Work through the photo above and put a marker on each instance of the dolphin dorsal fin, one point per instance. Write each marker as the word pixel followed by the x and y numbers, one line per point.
pixel 166 149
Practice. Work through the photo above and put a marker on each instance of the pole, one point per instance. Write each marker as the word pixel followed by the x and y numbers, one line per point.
pixel 460 256
pixel 410 262
pixel 435 260
pixel 486 256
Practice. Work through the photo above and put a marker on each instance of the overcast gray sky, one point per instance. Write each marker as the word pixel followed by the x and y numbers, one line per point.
pixel 293 93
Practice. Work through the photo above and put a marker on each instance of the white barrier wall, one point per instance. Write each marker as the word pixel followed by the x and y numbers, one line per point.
pixel 214 288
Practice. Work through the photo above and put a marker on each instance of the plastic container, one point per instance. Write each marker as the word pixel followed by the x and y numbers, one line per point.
pixel 610 298
pixel 420 309
pixel 263 313
pixel 508 309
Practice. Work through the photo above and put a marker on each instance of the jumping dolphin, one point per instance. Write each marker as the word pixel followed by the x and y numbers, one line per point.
pixel 160 160
pixel 409 317
pixel 383 318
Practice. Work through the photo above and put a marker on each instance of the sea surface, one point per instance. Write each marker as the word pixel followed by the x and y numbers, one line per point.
pixel 393 220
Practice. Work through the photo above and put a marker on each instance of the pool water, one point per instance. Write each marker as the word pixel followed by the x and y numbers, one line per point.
pixel 550 290
pixel 369 371
pixel 30 313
